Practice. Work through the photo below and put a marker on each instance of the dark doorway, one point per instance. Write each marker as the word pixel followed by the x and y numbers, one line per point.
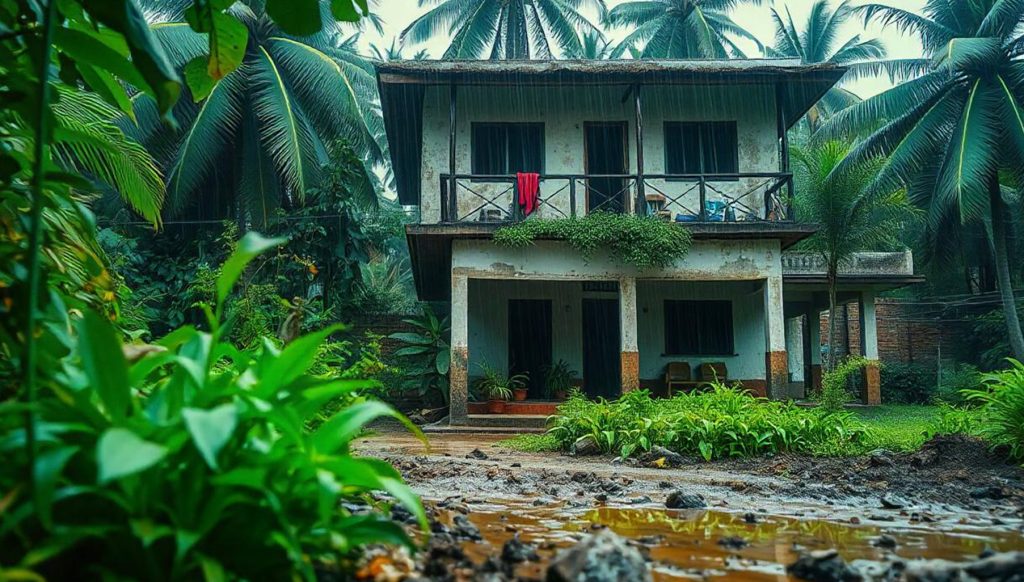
pixel 601 376
pixel 605 150
pixel 529 341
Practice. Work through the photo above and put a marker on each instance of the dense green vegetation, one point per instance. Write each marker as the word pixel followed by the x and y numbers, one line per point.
pixel 641 241
pixel 721 422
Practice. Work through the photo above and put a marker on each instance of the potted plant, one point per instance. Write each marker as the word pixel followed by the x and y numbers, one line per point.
pixel 558 379
pixel 519 393
pixel 498 388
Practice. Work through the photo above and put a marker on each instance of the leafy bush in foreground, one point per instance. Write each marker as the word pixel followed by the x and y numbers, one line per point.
pixel 717 423
pixel 907 383
pixel 1002 409
pixel 192 462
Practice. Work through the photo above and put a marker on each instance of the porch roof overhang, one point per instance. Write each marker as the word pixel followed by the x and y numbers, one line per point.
pixel 401 86
pixel 851 282
pixel 430 245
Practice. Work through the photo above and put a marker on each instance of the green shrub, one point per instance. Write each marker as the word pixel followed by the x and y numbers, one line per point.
pixel 716 423
pixel 957 420
pixel 641 241
pixel 191 462
pixel 955 380
pixel 427 355
pixel 907 383
pixel 1002 409
pixel 835 384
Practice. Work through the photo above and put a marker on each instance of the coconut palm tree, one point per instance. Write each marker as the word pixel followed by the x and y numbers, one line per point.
pixel 948 134
pixel 395 52
pixel 680 29
pixel 261 136
pixel 506 29
pixel 596 46
pixel 819 42
pixel 851 216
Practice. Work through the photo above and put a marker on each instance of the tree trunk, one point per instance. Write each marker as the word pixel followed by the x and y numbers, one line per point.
pixel 833 312
pixel 1002 265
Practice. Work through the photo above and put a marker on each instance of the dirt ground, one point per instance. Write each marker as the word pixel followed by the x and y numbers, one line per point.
pixel 950 500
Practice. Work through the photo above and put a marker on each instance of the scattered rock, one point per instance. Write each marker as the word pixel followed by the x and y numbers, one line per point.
pixel 478 455
pixel 516 465
pixel 515 551
pixel 465 529
pixel 990 492
pixel 541 501
pixel 881 459
pixel 662 458
pixel 664 485
pixel 602 557
pixel 586 447
pixel 885 541
pixel 733 542
pixel 680 500
pixel 583 477
pixel 893 502
pixel 823 566
pixel 640 500
pixel 749 517
pixel 1003 567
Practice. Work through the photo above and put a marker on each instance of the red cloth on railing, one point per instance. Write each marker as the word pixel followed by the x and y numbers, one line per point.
pixel 528 186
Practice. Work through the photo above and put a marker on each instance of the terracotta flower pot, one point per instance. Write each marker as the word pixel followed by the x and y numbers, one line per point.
pixel 495 406
pixel 519 394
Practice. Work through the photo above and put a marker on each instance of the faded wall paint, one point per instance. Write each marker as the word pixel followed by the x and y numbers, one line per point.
pixel 748 326
pixel 708 260
pixel 563 110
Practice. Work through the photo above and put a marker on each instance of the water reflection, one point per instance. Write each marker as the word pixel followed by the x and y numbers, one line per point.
pixel 686 544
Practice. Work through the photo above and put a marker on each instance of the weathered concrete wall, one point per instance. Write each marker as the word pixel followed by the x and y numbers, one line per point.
pixel 488 320
pixel 748 326
pixel 563 110
pixel 708 260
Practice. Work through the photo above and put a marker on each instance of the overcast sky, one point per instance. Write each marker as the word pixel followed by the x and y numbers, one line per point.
pixel 397 14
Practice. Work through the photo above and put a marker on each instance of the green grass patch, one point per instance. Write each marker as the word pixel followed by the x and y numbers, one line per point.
pixel 531 443
pixel 899 427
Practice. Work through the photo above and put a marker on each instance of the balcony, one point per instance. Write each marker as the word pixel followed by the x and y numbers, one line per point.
pixel 683 198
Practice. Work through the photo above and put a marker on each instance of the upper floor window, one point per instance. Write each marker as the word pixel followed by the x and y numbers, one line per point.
pixel 698 328
pixel 507 148
pixel 705 147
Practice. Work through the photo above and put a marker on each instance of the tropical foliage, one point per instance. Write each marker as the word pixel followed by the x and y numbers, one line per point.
pixel 642 241
pixel 258 137
pixel 820 42
pixel 851 215
pixel 188 460
pixel 506 29
pixel 952 135
pixel 427 355
pixel 720 422
pixel 1002 408
pixel 680 29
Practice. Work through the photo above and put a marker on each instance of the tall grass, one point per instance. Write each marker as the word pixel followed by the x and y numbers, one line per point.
pixel 717 423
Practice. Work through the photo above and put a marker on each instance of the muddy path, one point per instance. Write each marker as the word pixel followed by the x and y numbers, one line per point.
pixel 758 515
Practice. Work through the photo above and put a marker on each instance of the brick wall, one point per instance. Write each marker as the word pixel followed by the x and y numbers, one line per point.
pixel 900 338
pixel 384 325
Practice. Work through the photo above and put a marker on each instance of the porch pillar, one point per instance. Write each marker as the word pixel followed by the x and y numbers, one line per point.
pixel 459 371
pixel 776 360
pixel 629 356
pixel 869 348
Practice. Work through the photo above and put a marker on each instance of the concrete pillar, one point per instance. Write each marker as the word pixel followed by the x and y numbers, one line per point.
pixel 869 348
pixel 459 373
pixel 629 349
pixel 776 360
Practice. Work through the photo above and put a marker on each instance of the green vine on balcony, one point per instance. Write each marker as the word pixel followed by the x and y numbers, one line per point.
pixel 641 241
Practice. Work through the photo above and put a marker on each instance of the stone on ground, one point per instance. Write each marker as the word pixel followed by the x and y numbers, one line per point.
pixel 602 557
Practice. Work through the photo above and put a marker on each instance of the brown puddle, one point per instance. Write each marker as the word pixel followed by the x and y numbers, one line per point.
pixel 684 544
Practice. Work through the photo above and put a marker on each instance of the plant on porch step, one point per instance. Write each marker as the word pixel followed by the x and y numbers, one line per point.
pixel 558 379
pixel 498 388
pixel 641 241
pixel 835 384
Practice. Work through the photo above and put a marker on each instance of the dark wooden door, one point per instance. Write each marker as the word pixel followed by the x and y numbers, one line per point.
pixel 601 376
pixel 605 153
pixel 529 341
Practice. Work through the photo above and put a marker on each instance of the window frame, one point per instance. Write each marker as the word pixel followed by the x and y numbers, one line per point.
pixel 697 307
pixel 473 126
pixel 674 127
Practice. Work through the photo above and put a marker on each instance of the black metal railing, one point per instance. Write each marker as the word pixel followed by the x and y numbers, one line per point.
pixel 752 196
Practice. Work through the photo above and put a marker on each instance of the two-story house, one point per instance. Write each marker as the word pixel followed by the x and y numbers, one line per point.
pixel 702 144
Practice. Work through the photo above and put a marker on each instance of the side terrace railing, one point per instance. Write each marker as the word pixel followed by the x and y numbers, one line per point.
pixel 737 197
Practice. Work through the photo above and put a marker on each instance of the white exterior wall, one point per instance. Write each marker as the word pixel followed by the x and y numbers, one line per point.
pixel 733 270
pixel 748 326
pixel 563 110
